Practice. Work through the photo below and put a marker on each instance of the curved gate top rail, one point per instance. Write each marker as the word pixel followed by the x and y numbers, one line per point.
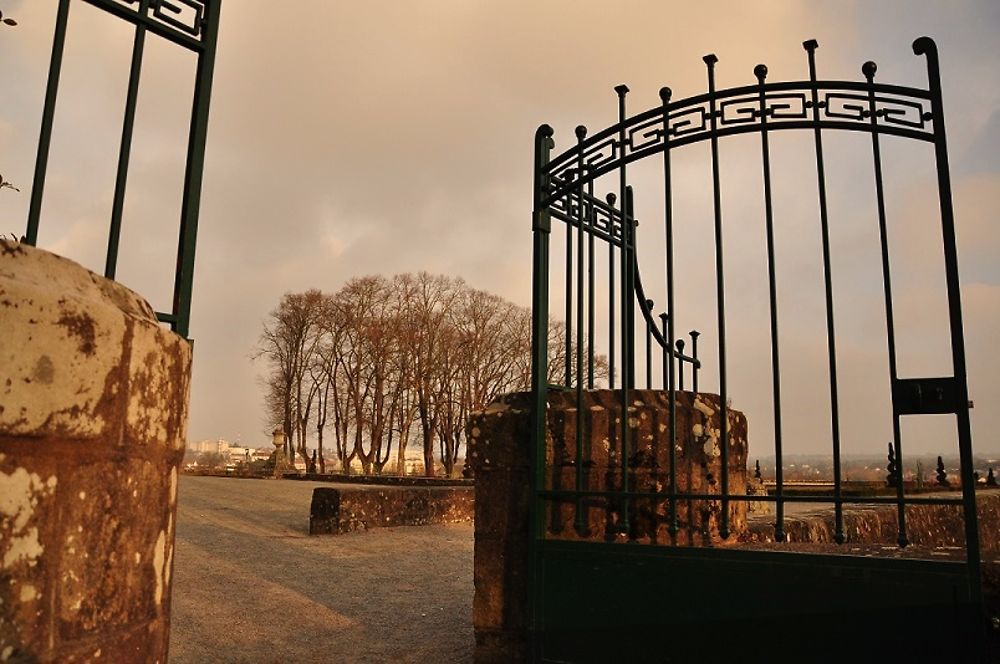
pixel 809 104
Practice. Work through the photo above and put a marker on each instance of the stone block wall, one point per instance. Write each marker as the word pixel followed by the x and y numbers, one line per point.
pixel 93 415
pixel 500 457
pixel 940 527
pixel 346 509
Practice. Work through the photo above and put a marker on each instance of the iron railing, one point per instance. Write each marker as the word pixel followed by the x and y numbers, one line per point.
pixel 190 24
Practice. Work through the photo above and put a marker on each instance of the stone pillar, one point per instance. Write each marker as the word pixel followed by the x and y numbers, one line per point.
pixel 93 416
pixel 499 452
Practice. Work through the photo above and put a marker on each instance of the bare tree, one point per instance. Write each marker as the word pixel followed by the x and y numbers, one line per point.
pixel 404 289
pixel 388 362
pixel 288 343
pixel 434 295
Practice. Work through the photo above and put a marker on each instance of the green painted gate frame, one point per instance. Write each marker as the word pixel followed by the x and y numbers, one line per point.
pixel 189 24
pixel 564 189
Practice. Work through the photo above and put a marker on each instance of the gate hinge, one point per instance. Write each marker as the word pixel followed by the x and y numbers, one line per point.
pixel 927 396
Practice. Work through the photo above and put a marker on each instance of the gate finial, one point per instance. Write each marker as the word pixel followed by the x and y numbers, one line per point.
pixel 665 94
pixel 811 45
pixel 545 132
pixel 760 71
pixel 869 69
pixel 925 46
pixel 710 60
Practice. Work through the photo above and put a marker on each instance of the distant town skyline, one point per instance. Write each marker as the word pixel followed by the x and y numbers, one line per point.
pixel 352 139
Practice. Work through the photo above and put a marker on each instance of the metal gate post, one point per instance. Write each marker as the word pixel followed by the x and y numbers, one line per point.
pixel 925 46
pixel 541 226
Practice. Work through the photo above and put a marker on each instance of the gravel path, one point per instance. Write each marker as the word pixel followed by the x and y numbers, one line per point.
pixel 250 585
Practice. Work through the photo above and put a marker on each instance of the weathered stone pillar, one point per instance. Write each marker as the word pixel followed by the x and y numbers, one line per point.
pixel 93 415
pixel 500 455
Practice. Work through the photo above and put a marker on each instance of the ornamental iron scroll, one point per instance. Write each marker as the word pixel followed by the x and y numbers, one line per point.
pixel 190 24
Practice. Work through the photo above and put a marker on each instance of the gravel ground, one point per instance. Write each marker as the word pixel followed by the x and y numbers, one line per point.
pixel 250 585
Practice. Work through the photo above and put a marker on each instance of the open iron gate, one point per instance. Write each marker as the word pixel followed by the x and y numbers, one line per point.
pixel 603 601
pixel 189 24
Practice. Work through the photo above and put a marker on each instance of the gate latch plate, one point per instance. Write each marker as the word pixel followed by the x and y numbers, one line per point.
pixel 927 396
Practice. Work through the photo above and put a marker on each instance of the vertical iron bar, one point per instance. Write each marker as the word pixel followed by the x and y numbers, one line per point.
pixel 760 71
pixel 671 314
pixel 541 229
pixel 591 218
pixel 665 354
pixel 680 363
pixel 868 69
pixel 926 46
pixel 611 198
pixel 901 538
pixel 694 360
pixel 580 523
pixel 838 535
pixel 194 169
pixel 568 380
pixel 630 310
pixel 628 332
pixel 649 350
pixel 710 61
pixel 48 114
pixel 125 149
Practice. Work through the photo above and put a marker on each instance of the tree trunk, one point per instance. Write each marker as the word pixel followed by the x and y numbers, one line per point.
pixel 319 447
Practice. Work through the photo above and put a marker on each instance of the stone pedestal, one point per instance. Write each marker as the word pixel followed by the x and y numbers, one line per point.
pixel 281 465
pixel 93 415
pixel 500 455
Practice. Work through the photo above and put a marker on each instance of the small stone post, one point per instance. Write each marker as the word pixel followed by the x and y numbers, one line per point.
pixel 280 462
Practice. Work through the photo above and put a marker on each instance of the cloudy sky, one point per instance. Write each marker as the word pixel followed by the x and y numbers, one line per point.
pixel 351 138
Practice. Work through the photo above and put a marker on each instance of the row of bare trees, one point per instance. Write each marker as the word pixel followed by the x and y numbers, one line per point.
pixel 388 362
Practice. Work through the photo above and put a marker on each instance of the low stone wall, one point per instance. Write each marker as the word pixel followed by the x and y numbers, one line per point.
pixel 935 526
pixel 499 454
pixel 93 412
pixel 346 509
pixel 500 457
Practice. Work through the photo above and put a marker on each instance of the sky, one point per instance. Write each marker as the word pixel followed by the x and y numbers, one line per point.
pixel 382 137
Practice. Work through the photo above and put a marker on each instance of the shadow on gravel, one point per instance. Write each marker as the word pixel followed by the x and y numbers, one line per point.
pixel 250 586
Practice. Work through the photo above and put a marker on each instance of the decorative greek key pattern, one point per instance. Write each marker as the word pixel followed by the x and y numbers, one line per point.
pixel 900 111
pixel 185 16
pixel 599 218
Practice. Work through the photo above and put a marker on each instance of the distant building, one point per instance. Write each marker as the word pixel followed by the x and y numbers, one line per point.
pixel 261 454
pixel 219 446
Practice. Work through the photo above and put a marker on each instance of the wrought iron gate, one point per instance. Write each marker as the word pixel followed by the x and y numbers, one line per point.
pixel 597 600
pixel 189 24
